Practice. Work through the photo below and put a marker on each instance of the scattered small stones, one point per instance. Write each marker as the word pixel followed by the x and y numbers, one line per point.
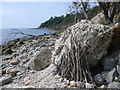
pixel 5 80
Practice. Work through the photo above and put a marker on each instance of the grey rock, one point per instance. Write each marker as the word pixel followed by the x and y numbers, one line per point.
pixel 118 69
pixel 95 37
pixel 109 76
pixel 88 85
pixel 40 60
pixel 114 85
pixel 109 63
pixel 13 71
pixel 5 80
pixel 98 79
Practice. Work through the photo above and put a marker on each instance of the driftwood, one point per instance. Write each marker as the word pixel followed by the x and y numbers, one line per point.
pixel 74 64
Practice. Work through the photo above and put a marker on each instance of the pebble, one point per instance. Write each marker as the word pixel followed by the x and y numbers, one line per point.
pixel 103 86
pixel 57 76
pixel 14 62
pixel 27 82
pixel 72 84
pixel 13 72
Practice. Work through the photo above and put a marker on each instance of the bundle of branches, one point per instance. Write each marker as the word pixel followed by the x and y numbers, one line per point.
pixel 74 64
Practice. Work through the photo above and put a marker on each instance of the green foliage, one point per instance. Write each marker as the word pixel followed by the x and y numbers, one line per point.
pixel 62 22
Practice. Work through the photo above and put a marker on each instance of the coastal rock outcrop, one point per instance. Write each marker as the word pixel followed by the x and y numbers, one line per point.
pixel 95 37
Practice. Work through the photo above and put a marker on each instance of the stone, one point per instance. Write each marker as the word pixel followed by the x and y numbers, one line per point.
pixel 27 82
pixel 81 84
pixel 41 60
pixel 8 57
pixel 57 76
pixel 13 72
pixel 95 37
pixel 8 51
pixel 14 62
pixel 114 85
pixel 118 69
pixel 23 49
pixel 2 72
pixel 103 86
pixel 72 84
pixel 109 63
pixel 100 18
pixel 88 85
pixel 5 80
pixel 109 76
pixel 98 79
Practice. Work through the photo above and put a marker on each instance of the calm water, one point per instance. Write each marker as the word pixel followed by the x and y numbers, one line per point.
pixel 11 34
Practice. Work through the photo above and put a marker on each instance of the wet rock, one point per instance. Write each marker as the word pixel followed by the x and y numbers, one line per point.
pixel 41 60
pixel 98 79
pixel 5 80
pixel 14 62
pixel 114 85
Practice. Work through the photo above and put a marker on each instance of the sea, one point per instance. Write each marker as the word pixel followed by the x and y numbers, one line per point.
pixel 8 34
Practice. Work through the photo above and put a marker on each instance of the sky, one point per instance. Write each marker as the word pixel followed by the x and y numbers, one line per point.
pixel 29 14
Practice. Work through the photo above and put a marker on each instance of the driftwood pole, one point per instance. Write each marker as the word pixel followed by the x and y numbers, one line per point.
pixel 74 63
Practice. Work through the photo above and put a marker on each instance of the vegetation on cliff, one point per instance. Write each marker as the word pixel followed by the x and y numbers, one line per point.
pixel 62 22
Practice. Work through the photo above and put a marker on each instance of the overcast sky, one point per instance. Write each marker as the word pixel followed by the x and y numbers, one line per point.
pixel 29 14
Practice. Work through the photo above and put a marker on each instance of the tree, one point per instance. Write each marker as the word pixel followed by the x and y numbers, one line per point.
pixel 79 6
pixel 74 9
pixel 85 7
pixel 110 9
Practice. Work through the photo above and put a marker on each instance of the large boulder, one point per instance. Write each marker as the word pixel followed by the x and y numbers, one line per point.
pixel 41 59
pixel 95 37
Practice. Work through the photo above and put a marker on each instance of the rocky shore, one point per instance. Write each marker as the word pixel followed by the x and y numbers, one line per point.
pixel 32 62
pixel 19 56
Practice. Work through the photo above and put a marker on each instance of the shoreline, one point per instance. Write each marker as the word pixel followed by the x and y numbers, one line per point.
pixel 47 29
